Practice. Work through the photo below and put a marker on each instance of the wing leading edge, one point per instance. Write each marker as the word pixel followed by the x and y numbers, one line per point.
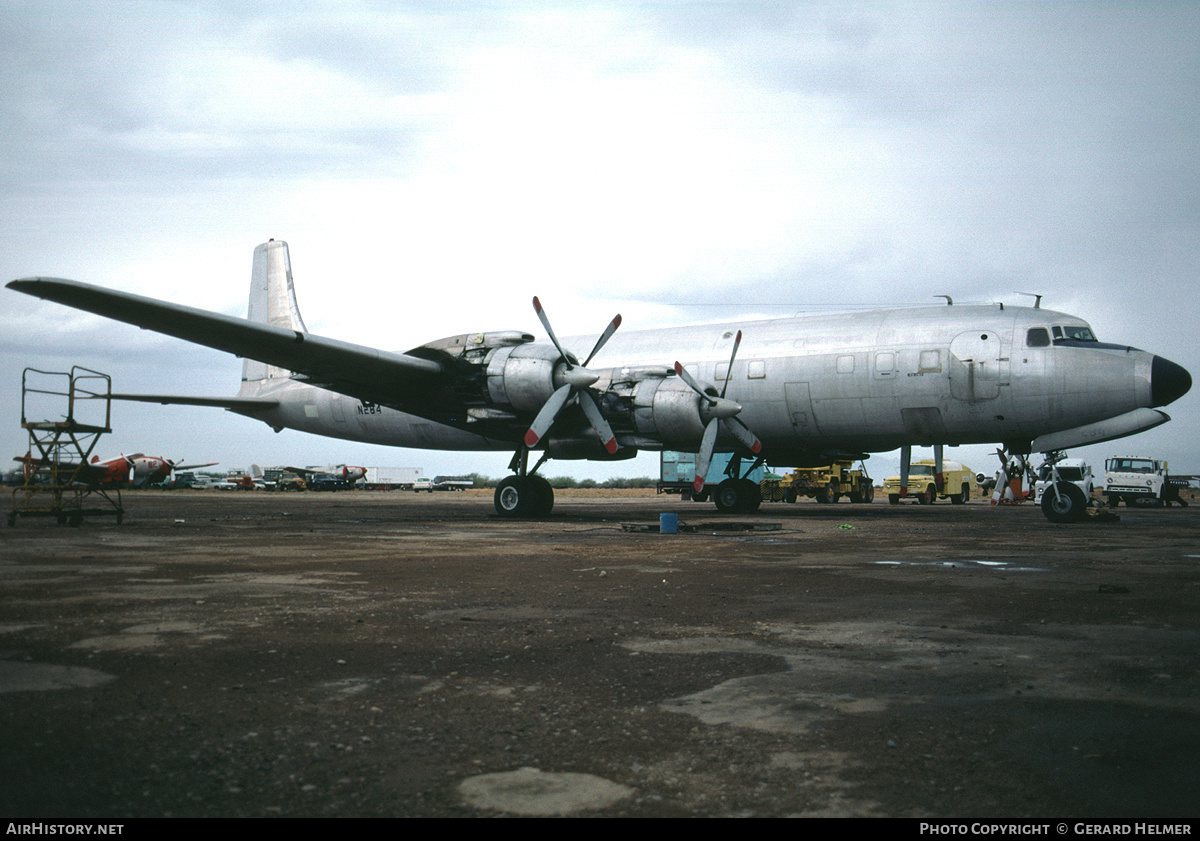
pixel 392 379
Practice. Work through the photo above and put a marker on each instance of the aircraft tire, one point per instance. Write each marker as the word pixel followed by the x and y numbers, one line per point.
pixel 518 498
pixel 730 497
pixel 1067 506
pixel 545 495
pixel 753 493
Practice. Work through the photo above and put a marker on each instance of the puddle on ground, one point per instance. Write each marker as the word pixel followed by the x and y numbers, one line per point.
pixel 1006 566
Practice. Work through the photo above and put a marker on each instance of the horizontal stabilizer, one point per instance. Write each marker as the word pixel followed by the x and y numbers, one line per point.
pixel 237 404
pixel 1130 423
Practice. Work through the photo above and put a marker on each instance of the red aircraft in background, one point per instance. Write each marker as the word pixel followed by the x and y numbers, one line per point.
pixel 136 469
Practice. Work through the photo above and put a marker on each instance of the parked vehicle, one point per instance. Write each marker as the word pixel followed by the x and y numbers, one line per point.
pixel 957 479
pixel 1074 470
pixel 1135 479
pixel 826 484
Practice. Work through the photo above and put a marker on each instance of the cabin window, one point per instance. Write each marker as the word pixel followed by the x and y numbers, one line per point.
pixel 885 363
pixel 845 364
pixel 930 362
pixel 757 369
pixel 1037 337
pixel 721 372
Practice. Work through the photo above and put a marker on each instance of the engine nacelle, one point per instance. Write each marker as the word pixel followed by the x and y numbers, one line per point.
pixel 667 409
pixel 523 376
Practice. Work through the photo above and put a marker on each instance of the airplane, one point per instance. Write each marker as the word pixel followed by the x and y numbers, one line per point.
pixel 345 472
pixel 137 469
pixel 150 470
pixel 803 387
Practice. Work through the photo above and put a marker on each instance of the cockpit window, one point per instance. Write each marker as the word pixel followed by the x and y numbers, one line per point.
pixel 1073 333
pixel 1037 337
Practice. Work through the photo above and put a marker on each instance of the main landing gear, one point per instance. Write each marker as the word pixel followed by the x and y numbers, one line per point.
pixel 737 496
pixel 524 495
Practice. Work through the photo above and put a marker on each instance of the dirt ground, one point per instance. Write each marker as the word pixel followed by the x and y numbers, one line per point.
pixel 398 654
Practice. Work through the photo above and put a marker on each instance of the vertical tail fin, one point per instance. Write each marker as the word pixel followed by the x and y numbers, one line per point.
pixel 272 301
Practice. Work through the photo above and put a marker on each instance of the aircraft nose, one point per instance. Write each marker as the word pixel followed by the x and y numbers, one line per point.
pixel 1168 381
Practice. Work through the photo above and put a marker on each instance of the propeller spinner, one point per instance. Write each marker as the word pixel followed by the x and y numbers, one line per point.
pixel 722 412
pixel 577 381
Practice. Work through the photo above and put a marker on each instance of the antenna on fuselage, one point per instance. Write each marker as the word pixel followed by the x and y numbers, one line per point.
pixel 949 300
pixel 1037 299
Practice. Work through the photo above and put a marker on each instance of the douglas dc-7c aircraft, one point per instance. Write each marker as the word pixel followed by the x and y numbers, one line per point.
pixel 794 392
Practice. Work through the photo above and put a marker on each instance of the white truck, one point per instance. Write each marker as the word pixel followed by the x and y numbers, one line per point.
pixel 1074 470
pixel 1134 479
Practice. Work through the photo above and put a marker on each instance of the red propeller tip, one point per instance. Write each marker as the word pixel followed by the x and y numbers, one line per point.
pixel 531 438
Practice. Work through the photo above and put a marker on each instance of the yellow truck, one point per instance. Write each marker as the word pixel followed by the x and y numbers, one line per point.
pixel 957 480
pixel 825 484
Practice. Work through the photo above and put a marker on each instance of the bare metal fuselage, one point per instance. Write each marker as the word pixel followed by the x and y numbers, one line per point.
pixel 865 381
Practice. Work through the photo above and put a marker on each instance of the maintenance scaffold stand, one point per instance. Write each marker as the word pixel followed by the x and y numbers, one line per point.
pixel 58 481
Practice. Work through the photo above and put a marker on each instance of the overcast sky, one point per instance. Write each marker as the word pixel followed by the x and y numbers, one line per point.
pixel 433 165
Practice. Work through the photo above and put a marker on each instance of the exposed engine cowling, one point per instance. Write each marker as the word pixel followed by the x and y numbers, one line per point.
pixel 668 410
pixel 522 377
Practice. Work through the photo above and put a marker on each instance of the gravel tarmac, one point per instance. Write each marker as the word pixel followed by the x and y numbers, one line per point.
pixel 413 655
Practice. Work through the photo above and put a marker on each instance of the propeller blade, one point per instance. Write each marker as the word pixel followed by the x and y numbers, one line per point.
pixel 704 457
pixel 576 380
pixel 742 432
pixel 604 337
pixel 718 407
pixel 691 381
pixel 545 417
pixel 1001 484
pixel 737 341
pixel 591 408
pixel 541 314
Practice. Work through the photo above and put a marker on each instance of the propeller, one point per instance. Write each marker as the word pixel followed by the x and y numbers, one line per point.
pixel 577 381
pixel 721 412
pixel 1010 466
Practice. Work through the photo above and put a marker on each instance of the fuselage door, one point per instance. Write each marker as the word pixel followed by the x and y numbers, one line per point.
pixel 800 410
pixel 977 365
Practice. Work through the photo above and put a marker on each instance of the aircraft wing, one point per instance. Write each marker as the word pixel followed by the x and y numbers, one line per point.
pixel 391 379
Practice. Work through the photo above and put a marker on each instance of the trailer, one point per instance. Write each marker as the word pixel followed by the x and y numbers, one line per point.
pixel 394 479
pixel 677 474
